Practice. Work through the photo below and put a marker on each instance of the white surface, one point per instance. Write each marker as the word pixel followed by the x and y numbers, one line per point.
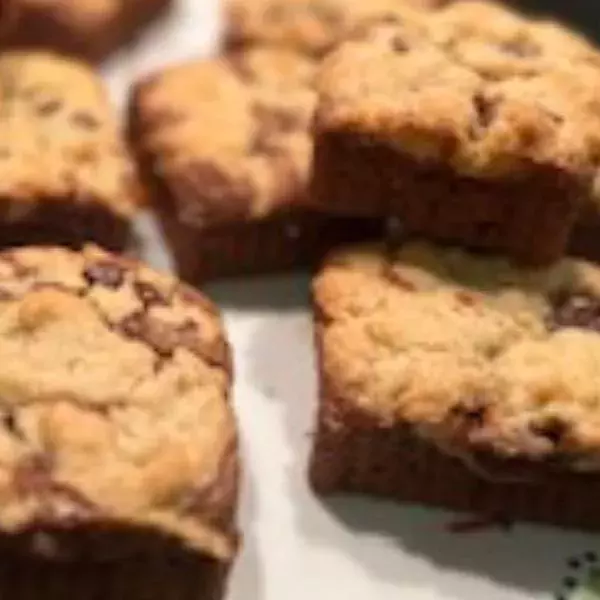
pixel 296 547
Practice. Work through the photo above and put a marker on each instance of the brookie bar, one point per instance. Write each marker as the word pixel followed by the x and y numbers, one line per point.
pixel 118 445
pixel 477 127
pixel 460 381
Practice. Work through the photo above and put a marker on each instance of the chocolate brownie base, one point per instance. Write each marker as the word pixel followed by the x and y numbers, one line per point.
pixel 66 222
pixel 295 240
pixel 354 453
pixel 41 26
pixel 177 577
pixel 529 217
pixel 585 237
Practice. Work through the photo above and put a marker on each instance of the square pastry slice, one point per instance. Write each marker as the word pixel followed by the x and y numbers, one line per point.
pixel 310 26
pixel 478 127
pixel 65 173
pixel 225 148
pixel 90 29
pixel 118 449
pixel 460 381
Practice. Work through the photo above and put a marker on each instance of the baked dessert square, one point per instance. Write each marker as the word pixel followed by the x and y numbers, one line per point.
pixel 488 137
pixel 90 29
pixel 225 149
pixel 66 176
pixel 459 381
pixel 310 26
pixel 118 446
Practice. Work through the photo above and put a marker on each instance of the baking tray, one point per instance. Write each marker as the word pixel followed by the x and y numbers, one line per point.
pixel 298 547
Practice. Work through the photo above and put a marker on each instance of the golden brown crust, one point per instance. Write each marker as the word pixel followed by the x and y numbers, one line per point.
pixel 228 137
pixel 114 387
pixel 483 90
pixel 474 354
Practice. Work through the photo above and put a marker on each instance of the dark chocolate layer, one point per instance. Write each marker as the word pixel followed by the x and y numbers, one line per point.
pixel 529 216
pixel 66 222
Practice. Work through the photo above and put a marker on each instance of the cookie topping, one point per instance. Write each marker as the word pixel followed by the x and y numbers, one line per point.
pixel 483 78
pixel 163 337
pixel 90 427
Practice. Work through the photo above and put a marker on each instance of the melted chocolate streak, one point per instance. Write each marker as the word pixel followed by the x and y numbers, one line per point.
pixel 162 338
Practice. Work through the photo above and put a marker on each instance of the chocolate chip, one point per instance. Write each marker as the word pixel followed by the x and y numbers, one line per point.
pixel 551 428
pixel 149 294
pixel 5 295
pixel 49 107
pixel 485 109
pixel 107 273
pixel 10 423
pixel 163 337
pixel 522 48
pixel 466 298
pixel 399 44
pixel 575 309
pixel 85 120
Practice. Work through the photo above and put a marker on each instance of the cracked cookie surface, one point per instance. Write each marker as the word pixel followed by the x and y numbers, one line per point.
pixel 114 386
pixel 483 89
pixel 481 357
pixel 229 137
